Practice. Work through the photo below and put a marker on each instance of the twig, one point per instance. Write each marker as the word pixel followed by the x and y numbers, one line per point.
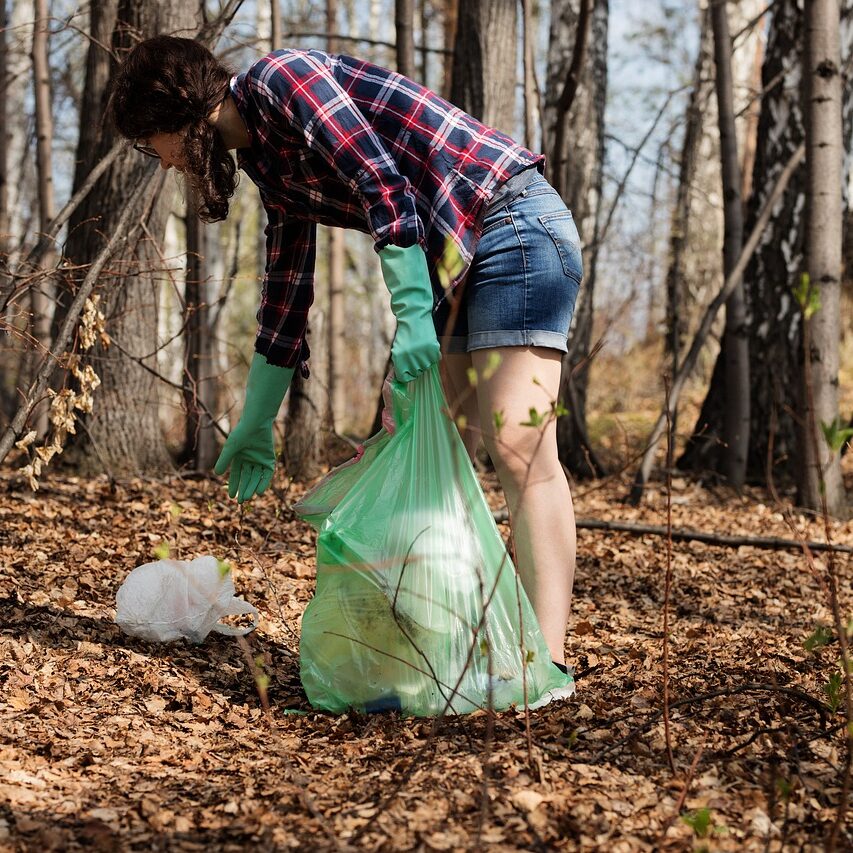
pixel 121 233
pixel 667 584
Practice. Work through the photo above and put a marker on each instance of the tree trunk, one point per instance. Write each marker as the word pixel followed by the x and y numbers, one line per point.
pixel 450 19
pixel 336 319
pixel 40 293
pixel 677 289
pixel 819 475
pixel 404 26
pixel 773 315
pixel 484 62
pixel 200 390
pixel 275 25
pixel 310 415
pixel 123 434
pixel 735 340
pixel 581 186
pixel 6 396
pixel 305 425
pixel 531 90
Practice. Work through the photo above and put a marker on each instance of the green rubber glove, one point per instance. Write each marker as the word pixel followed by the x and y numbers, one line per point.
pixel 406 276
pixel 249 450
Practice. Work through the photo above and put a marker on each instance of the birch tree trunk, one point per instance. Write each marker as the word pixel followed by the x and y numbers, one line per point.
pixel 820 472
pixel 735 340
pixel 582 153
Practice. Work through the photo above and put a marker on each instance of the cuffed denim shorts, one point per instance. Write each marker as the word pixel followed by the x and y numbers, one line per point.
pixel 524 279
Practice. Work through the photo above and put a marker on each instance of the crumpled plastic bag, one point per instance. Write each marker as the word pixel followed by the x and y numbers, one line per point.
pixel 174 599
pixel 418 607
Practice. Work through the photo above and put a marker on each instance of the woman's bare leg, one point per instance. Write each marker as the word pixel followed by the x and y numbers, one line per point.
pixel 533 480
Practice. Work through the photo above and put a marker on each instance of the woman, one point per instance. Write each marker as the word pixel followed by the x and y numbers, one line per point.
pixel 339 141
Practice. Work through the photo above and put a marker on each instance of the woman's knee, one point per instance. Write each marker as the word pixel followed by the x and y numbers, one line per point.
pixel 520 449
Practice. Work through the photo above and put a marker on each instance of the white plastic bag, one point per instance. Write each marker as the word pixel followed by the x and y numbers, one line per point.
pixel 171 599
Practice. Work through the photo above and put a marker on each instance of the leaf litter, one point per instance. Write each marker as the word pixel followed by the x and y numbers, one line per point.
pixel 110 743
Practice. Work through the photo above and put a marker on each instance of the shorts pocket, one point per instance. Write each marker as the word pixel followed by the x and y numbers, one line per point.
pixel 560 225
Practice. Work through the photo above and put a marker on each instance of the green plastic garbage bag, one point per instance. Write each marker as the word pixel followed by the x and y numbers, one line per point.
pixel 418 607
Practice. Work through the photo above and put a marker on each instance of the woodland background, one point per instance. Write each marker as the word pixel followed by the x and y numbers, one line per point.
pixel 698 145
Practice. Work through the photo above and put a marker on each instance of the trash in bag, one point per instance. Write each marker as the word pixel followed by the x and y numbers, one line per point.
pixel 170 599
pixel 418 606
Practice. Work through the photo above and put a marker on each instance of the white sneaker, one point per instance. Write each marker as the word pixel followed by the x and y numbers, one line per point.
pixel 554 695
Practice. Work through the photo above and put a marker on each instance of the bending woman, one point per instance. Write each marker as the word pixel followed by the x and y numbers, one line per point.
pixel 343 142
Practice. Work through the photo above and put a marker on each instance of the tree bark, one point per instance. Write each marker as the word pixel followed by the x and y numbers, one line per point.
pixel 530 87
pixel 582 150
pixel 484 62
pixel 275 25
pixel 200 382
pixel 735 340
pixel 819 477
pixel 404 26
pixel 40 292
pixel 774 317
pixel 677 290
pixel 336 320
pixel 123 433
pixel 305 425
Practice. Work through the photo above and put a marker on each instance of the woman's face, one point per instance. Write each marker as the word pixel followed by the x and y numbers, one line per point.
pixel 168 147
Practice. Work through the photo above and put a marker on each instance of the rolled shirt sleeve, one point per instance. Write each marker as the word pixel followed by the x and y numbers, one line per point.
pixel 300 96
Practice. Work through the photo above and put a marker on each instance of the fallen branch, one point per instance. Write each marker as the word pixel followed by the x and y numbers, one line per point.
pixel 773 543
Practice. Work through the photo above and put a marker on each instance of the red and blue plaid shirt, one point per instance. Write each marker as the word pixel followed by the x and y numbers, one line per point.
pixel 340 141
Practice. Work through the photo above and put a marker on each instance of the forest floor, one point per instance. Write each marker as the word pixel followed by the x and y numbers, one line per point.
pixel 110 743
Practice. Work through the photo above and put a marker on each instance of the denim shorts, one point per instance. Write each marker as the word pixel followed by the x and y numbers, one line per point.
pixel 524 278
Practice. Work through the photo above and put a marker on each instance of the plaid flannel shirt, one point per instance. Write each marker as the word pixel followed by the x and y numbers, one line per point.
pixel 345 143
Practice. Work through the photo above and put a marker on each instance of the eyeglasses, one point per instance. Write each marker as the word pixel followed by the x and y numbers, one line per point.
pixel 147 150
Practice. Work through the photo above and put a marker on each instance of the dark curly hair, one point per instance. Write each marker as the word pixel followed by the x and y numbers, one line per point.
pixel 168 84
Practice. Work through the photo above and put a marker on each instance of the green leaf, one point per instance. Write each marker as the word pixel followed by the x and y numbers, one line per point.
pixel 499 421
pixel 484 647
pixel 535 419
pixel 807 296
pixel 493 362
pixel 784 787
pixel 699 820
pixel 558 409
pixel 471 373
pixel 223 567
pixel 531 656
pixel 837 434
pixel 162 551
pixel 833 691
pixel 450 264
pixel 821 636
